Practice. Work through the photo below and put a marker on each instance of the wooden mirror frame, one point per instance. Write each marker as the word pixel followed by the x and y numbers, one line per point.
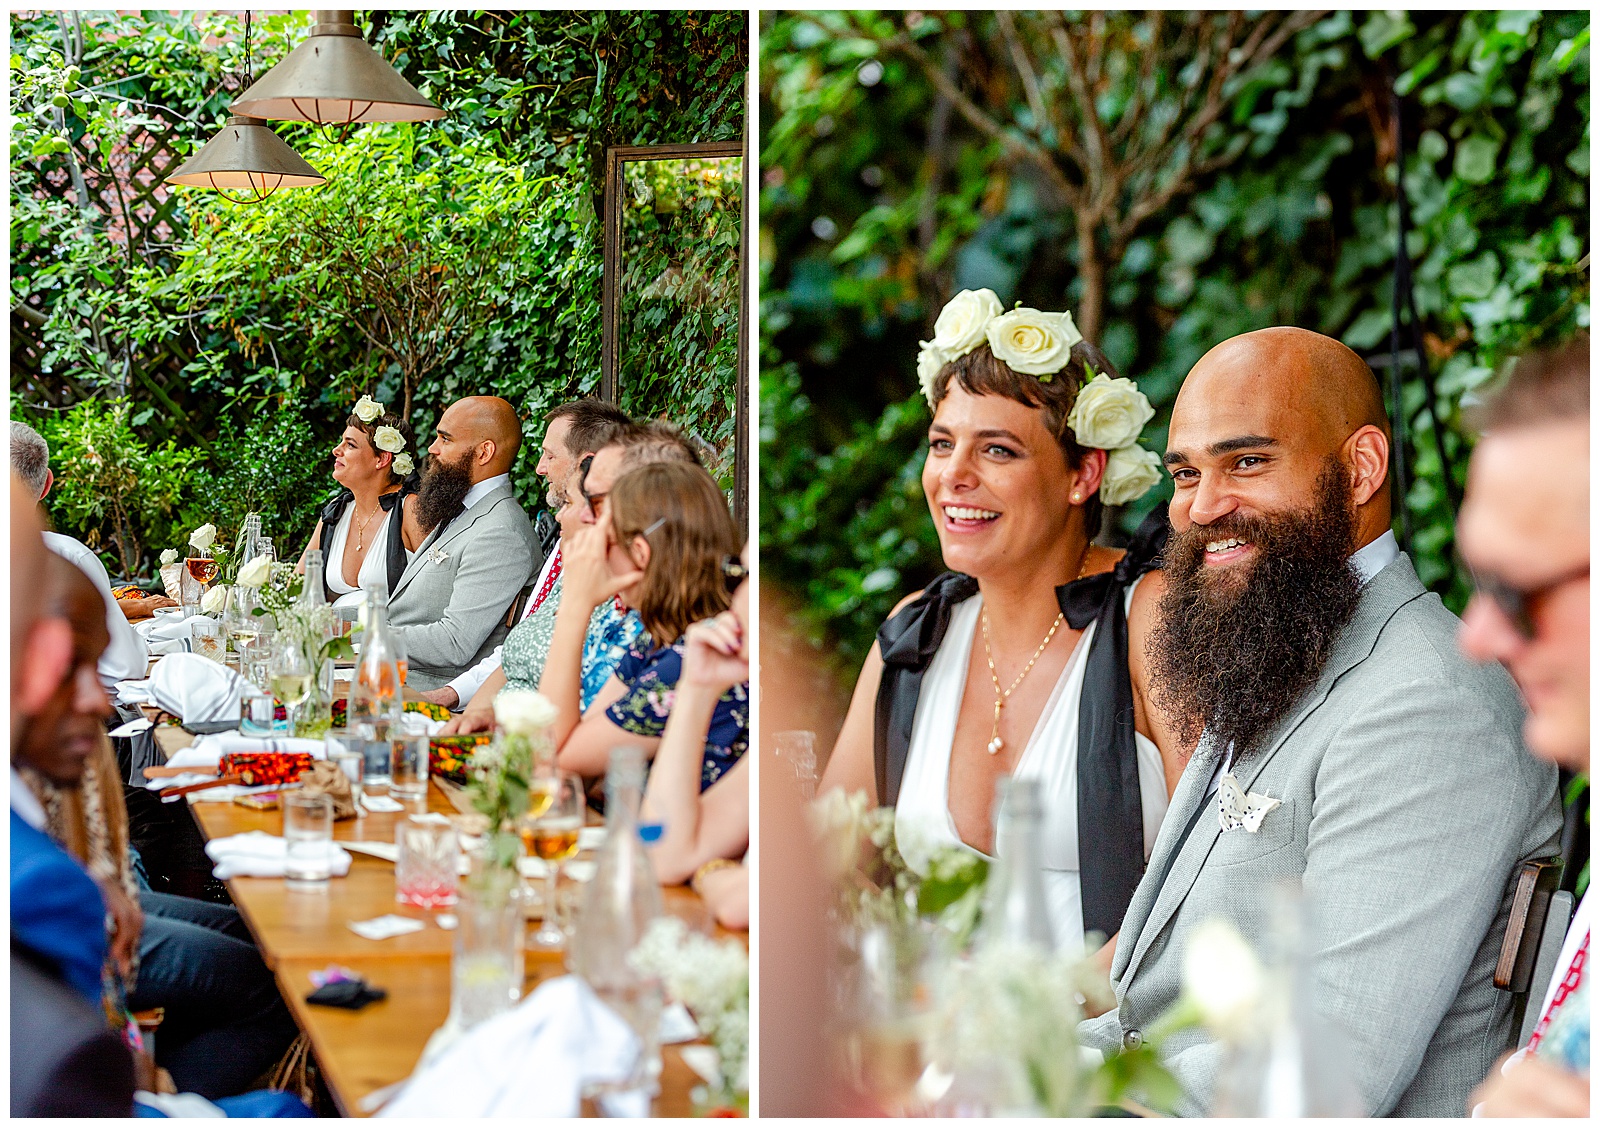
pixel 616 157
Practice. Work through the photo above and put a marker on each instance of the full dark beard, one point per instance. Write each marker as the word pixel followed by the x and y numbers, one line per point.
pixel 1232 654
pixel 443 492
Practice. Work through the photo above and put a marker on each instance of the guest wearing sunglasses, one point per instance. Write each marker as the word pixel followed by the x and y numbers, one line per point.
pixel 663 550
pixel 1524 532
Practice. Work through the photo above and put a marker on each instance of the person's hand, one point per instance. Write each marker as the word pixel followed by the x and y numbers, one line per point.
pixel 473 720
pixel 127 923
pixel 713 654
pixel 586 579
pixel 444 695
pixel 134 609
pixel 1530 1087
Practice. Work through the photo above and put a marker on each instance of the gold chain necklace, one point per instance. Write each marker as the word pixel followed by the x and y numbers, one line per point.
pixel 995 743
pixel 362 530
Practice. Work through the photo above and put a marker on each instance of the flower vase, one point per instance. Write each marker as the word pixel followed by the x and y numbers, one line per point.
pixel 315 716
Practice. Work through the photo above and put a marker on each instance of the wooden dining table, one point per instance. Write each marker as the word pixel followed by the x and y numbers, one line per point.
pixel 365 1054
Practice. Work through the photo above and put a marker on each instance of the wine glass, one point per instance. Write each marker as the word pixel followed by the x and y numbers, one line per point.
pixel 289 677
pixel 553 836
pixel 202 566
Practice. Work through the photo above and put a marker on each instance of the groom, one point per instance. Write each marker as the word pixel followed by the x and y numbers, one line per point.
pixel 1295 643
pixel 477 548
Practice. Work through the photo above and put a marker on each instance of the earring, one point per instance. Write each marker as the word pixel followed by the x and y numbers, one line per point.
pixel 1076 497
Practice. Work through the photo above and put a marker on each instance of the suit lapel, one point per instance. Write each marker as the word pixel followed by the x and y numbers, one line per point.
pixel 440 537
pixel 1386 593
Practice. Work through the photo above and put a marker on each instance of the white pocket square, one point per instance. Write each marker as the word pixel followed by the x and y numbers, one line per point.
pixel 1235 809
pixel 438 556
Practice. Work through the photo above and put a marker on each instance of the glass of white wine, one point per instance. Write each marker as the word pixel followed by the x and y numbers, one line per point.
pixel 553 836
pixel 289 677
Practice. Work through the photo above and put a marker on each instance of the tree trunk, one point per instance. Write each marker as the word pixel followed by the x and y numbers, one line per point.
pixel 1092 273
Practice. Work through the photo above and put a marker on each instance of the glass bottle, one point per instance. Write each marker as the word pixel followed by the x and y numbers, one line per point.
pixel 375 701
pixel 249 533
pixel 1014 908
pixel 1293 1062
pixel 619 905
pixel 311 595
pixel 313 609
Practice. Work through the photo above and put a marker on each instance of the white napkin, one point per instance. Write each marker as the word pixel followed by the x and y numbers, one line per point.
pixel 133 692
pixel 259 854
pixel 381 928
pixel 196 689
pixel 532 1061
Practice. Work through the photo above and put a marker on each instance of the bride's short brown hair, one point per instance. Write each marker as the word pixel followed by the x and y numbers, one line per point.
pixel 678 509
pixel 980 373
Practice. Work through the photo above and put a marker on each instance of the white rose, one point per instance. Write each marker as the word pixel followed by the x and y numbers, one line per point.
pixel 961 323
pixel 214 600
pixel 367 409
pixel 387 438
pixel 1223 978
pixel 257 572
pixel 1130 472
pixel 930 361
pixel 1109 414
pixel 203 537
pixel 524 712
pixel 170 556
pixel 1032 341
pixel 403 465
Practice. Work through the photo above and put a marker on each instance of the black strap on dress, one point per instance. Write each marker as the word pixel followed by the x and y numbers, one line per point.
pixel 1110 814
pixel 395 562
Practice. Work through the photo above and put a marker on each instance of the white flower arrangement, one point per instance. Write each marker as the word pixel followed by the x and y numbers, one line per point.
pixel 203 537
pixel 403 465
pixel 1223 979
pixel 1107 415
pixel 388 439
pixel 169 556
pixel 214 600
pixel 256 573
pixel 367 409
pixel 524 712
pixel 713 980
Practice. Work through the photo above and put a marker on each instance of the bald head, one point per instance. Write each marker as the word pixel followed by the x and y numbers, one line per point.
pixel 1262 414
pixel 27 562
pixel 41 642
pixel 482 429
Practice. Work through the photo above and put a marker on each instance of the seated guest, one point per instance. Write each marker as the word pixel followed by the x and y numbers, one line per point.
pixel 126 657
pixel 1524 531
pixel 639 444
pixel 662 551
pixel 703 830
pixel 137 604
pixel 576 431
pixel 1296 644
pixel 475 548
pixel 366 545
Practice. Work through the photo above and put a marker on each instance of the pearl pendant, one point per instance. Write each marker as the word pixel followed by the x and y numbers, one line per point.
pixel 995 745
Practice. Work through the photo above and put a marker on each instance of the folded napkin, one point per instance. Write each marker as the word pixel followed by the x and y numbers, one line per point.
pixel 169 634
pixel 259 854
pixel 133 692
pixel 532 1061
pixel 196 689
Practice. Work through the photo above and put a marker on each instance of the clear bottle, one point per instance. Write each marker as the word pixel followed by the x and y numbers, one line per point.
pixel 375 702
pixel 311 595
pixel 246 550
pixel 621 902
pixel 314 602
pixel 1014 907
pixel 1293 1062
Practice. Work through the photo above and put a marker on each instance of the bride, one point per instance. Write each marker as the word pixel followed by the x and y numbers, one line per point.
pixel 365 547
pixel 1016 660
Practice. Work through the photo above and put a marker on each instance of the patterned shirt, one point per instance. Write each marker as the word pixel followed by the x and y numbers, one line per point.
pixel 651 677
pixel 604 645
pixel 613 630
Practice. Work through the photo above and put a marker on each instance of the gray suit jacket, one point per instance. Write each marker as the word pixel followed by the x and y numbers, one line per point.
pixel 450 604
pixel 1408 802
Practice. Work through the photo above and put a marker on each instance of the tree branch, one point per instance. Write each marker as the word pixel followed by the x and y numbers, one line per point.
pixel 1030 81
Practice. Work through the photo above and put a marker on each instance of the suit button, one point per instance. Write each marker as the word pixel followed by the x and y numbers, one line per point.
pixel 1133 1039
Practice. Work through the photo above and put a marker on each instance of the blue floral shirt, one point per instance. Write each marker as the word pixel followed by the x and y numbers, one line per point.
pixel 612 632
pixel 651 677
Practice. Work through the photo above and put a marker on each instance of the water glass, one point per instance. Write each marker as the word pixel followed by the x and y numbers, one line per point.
pixel 486 965
pixel 308 831
pixel 798 748
pixel 425 873
pixel 376 749
pixel 257 710
pixel 408 765
pixel 208 639
pixel 189 592
pixel 344 750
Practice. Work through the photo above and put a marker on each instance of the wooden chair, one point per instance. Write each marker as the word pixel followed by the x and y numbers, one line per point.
pixel 1540 912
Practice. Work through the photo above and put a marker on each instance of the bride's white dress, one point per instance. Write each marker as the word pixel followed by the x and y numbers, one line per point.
pixel 922 815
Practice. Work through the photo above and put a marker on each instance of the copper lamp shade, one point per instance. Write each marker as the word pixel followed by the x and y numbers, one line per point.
pixel 335 78
pixel 245 153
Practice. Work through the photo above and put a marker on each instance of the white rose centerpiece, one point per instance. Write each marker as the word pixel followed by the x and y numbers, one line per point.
pixel 256 572
pixel 214 600
pixel 1109 414
pixel 169 556
pixel 1223 979
pixel 389 439
pixel 367 409
pixel 1032 341
pixel 203 537
pixel 524 712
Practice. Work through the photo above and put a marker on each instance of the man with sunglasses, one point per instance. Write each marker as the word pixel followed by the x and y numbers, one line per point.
pixel 1524 533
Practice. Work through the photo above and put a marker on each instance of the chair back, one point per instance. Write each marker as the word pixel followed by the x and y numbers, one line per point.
pixel 1537 884
pixel 1544 968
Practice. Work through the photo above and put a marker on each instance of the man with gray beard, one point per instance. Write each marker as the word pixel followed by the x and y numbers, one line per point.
pixel 1335 737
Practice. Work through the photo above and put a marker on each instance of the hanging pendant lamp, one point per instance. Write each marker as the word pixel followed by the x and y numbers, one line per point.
pixel 335 79
pixel 246 153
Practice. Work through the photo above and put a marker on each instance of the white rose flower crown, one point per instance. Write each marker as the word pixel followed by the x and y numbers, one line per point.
pixel 385 438
pixel 1108 414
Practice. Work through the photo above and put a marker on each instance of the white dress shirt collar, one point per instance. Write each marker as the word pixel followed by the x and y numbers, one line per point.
pixel 1373 558
pixel 478 492
pixel 25 802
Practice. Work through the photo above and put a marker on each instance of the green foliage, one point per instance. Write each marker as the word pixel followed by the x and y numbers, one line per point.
pixel 879 201
pixel 272 466
pixel 441 260
pixel 120 491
